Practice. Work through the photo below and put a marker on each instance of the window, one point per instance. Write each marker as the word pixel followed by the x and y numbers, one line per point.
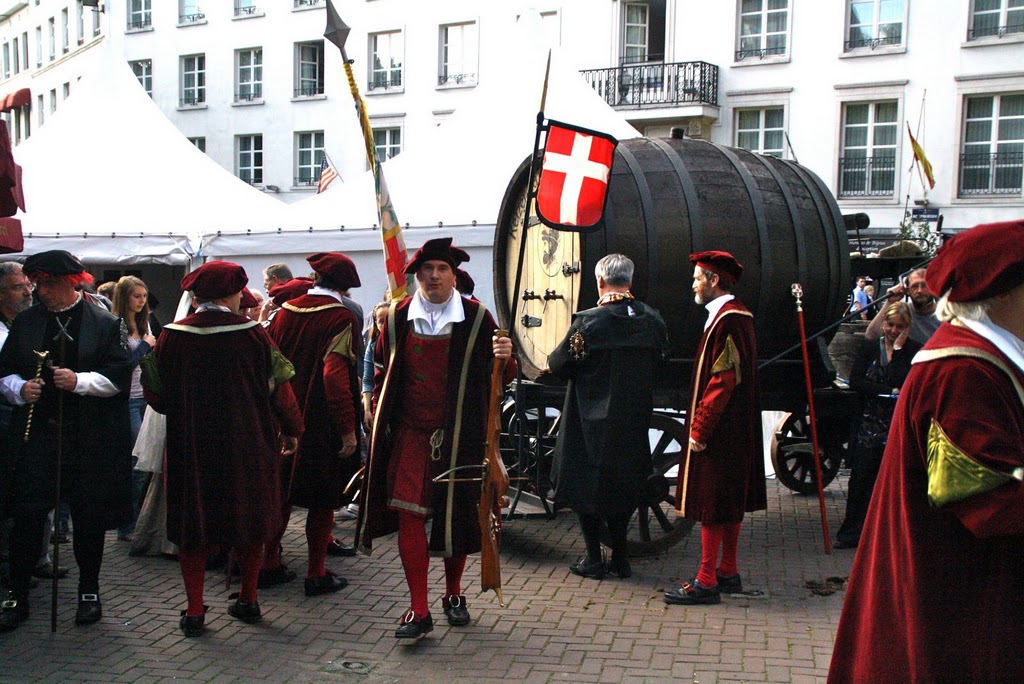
pixel 643 32
pixel 40 108
pixel 53 100
pixel 39 46
pixel 250 75
pixel 385 60
pixel 458 54
pixel 140 14
pixel 763 28
pixel 867 167
pixel 250 158
pixel 996 18
pixel 7 60
pixel 388 142
pixel 309 151
pixel 199 143
pixel 761 130
pixel 53 39
pixel 24 50
pixel 80 24
pixel 246 8
pixel 95 23
pixel 16 54
pixel 875 23
pixel 189 12
pixel 309 69
pixel 143 70
pixel 193 80
pixel 67 90
pixel 64 40
pixel 993 151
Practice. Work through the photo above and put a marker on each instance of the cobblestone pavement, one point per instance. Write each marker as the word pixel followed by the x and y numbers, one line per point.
pixel 555 627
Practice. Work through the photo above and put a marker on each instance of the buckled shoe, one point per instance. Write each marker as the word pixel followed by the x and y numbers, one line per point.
pixel 591 569
pixel 246 611
pixel 13 612
pixel 271 578
pixel 329 583
pixel 412 627
pixel 193 625
pixel 693 594
pixel 339 548
pixel 90 609
pixel 456 610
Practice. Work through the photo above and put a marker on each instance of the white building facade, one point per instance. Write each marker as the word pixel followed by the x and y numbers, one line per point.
pixel 832 84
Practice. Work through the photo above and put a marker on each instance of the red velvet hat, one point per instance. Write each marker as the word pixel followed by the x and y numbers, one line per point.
pixel 336 266
pixel 722 263
pixel 296 287
pixel 979 263
pixel 438 249
pixel 464 282
pixel 215 280
pixel 248 300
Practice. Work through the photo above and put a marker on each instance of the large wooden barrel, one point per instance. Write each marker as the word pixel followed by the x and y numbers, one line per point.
pixel 667 199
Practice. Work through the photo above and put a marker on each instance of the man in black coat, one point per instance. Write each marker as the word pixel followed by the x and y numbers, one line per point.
pixel 80 396
pixel 611 356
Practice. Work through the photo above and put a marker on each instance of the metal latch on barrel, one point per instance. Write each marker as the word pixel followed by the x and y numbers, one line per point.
pixel 531 322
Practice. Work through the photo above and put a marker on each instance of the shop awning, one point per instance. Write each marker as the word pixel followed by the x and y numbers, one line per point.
pixel 19 98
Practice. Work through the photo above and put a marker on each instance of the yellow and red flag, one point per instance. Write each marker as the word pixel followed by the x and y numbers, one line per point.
pixel 919 158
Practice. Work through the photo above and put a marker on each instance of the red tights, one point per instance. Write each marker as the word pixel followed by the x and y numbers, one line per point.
pixel 412 548
pixel 193 571
pixel 319 522
pixel 713 537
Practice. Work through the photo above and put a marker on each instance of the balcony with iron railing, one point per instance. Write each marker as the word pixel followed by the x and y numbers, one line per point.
pixel 991 174
pixel 761 53
pixel 444 79
pixel 867 176
pixel 996 31
pixel 655 84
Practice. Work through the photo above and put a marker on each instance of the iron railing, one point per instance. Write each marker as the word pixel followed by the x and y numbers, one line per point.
pixel 991 174
pixel 873 42
pixel 241 9
pixel 308 3
pixel 309 90
pixel 867 176
pixel 998 31
pixel 760 54
pixel 307 181
pixel 140 23
pixel 456 79
pixel 382 80
pixel 656 84
pixel 191 18
pixel 192 100
pixel 249 95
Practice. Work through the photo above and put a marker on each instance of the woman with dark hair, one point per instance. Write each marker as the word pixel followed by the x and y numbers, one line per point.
pixel 131 304
pixel 878 373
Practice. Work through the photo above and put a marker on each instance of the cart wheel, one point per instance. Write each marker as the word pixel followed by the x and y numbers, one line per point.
pixel 793 458
pixel 655 527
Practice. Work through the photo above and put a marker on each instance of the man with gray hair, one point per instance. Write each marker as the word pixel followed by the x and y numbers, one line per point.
pixel 936 591
pixel 610 356
pixel 924 321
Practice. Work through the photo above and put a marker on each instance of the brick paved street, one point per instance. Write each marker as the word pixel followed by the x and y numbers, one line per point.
pixel 556 626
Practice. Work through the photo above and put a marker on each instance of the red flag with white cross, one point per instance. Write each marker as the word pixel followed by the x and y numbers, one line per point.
pixel 574 176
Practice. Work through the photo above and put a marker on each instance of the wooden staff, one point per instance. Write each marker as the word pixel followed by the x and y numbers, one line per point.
pixel 798 292
pixel 40 362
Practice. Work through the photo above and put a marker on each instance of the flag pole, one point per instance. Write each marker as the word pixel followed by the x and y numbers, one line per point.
pixel 391 230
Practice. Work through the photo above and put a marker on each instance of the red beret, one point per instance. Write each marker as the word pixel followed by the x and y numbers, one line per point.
pixel 979 263
pixel 722 263
pixel 438 249
pixel 215 280
pixel 248 300
pixel 296 287
pixel 334 265
pixel 464 282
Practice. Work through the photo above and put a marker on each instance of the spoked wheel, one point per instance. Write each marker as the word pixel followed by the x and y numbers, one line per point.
pixel 793 456
pixel 655 527
pixel 533 475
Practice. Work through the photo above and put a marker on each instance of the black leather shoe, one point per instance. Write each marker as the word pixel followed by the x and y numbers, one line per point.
pixel 456 610
pixel 730 585
pixel 279 575
pixel 693 594
pixel 246 611
pixel 193 625
pixel 337 548
pixel 45 571
pixel 413 628
pixel 13 612
pixel 585 567
pixel 620 568
pixel 89 609
pixel 329 583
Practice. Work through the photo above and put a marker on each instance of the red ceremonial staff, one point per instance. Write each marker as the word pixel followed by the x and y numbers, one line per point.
pixel 798 292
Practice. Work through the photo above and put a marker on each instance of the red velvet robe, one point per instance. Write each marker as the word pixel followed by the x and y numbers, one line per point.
pixel 937 591
pixel 221 382
pixel 455 530
pixel 320 336
pixel 726 480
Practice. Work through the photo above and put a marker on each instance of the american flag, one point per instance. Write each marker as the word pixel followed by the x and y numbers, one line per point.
pixel 327 175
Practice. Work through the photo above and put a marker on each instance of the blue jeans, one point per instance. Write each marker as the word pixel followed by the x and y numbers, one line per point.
pixel 140 480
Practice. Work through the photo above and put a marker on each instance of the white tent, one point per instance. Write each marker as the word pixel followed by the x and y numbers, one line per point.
pixel 111 179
